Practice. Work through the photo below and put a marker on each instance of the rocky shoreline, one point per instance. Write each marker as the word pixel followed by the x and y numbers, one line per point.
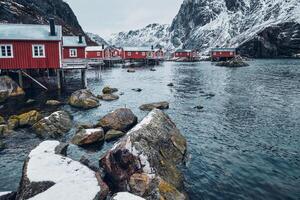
pixel 141 165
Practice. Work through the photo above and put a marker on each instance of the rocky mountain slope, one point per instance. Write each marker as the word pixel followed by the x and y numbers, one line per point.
pixel 153 34
pixel 38 12
pixel 96 38
pixel 260 28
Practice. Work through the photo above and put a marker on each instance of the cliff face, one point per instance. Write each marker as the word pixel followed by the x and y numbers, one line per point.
pixel 38 12
pixel 260 28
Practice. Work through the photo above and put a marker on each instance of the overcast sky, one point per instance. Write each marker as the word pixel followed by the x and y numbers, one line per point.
pixel 111 16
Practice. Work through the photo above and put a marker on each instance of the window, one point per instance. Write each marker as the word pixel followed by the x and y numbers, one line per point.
pixel 215 53
pixel 129 53
pixel 98 54
pixel 38 51
pixel 6 51
pixel 137 53
pixel 73 53
pixel 143 53
pixel 231 53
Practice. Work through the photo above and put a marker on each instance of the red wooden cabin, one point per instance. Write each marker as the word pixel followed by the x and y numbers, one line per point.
pixel 112 52
pixel 94 52
pixel 221 54
pixel 137 53
pixel 185 53
pixel 74 47
pixel 159 54
pixel 26 46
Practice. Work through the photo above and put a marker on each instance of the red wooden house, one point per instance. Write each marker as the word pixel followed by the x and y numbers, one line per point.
pixel 25 46
pixel 137 53
pixel 185 54
pixel 94 52
pixel 159 54
pixel 74 47
pixel 221 54
pixel 112 52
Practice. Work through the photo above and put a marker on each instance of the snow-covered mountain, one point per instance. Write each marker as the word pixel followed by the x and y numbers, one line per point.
pixel 260 28
pixel 154 34
pixel 97 39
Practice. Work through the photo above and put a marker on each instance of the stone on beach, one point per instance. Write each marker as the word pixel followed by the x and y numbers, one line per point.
pixel 158 105
pixel 48 175
pixel 144 161
pixel 88 136
pixel 9 88
pixel 84 99
pixel 113 134
pixel 53 126
pixel 121 119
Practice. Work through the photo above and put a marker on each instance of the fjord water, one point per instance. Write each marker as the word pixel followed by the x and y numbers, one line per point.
pixel 244 144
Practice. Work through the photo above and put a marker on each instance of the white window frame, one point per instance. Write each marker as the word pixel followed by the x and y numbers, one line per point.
pixel 143 53
pixel 98 54
pixel 128 53
pixel 39 46
pixel 6 52
pixel 73 53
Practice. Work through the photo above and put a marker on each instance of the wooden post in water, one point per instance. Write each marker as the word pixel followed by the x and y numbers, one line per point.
pixel 84 78
pixel 58 79
pixel 20 78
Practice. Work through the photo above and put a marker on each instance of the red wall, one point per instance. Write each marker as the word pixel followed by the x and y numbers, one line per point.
pixel 93 54
pixel 80 52
pixel 23 59
pixel 184 54
pixel 223 54
pixel 135 55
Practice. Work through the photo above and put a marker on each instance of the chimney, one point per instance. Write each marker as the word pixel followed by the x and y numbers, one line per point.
pixel 80 39
pixel 102 46
pixel 152 47
pixel 52 27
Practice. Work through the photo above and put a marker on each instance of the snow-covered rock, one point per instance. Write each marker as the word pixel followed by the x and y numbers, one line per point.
pixel 144 161
pixel 47 175
pixel 7 195
pixel 88 136
pixel 126 196
pixel 157 35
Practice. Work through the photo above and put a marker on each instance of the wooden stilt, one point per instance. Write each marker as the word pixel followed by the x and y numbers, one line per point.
pixel 20 78
pixel 58 79
pixel 84 78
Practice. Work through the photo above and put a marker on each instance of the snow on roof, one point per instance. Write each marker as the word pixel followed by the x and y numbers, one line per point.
pixel 137 49
pixel 126 196
pixel 223 49
pixel 184 50
pixel 94 48
pixel 28 32
pixel 73 41
pixel 72 179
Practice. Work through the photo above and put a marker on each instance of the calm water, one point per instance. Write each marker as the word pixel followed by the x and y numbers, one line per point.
pixel 244 144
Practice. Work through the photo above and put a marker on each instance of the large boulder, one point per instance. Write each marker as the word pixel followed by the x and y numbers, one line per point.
pixel 25 119
pixel 144 161
pixel 49 175
pixel 84 99
pixel 158 105
pixel 53 126
pixel 9 88
pixel 121 119
pixel 88 136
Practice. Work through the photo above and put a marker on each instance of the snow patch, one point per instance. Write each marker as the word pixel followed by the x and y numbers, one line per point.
pixel 126 196
pixel 72 179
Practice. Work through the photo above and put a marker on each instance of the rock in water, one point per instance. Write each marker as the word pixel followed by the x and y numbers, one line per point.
pixel 130 70
pixel 25 119
pixel 236 62
pixel 113 134
pixel 126 196
pixel 84 99
pixel 2 120
pixel 9 88
pixel 53 103
pixel 159 105
pixel 47 175
pixel 88 136
pixel 109 90
pixel 121 119
pixel 54 125
pixel 170 84
pixel 108 97
pixel 144 161
pixel 137 89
